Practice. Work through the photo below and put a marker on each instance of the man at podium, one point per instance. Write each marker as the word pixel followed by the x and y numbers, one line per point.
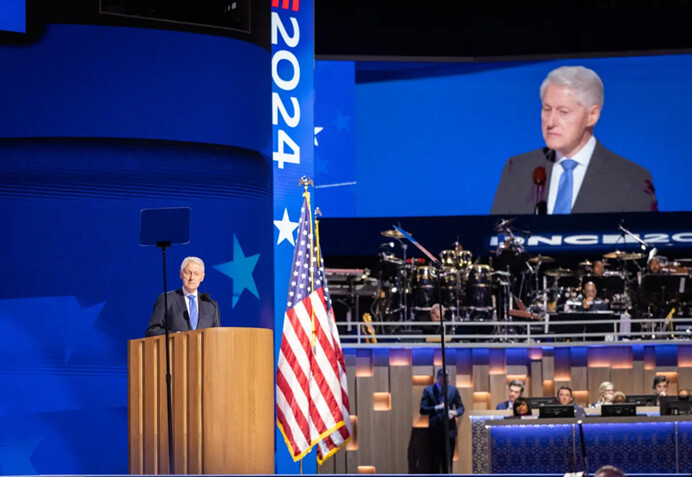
pixel 187 308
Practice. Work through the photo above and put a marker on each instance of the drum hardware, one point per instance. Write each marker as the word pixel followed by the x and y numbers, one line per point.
pixel 395 234
pixel 503 225
pixel 541 259
pixel 560 272
pixel 620 255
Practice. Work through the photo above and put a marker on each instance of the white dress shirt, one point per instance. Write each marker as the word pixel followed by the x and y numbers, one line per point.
pixel 582 157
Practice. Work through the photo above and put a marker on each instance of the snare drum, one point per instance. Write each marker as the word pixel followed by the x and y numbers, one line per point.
pixel 479 287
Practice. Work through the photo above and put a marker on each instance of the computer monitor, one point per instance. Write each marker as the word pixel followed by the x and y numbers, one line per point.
pixel 538 402
pixel 642 399
pixel 556 410
pixel 618 410
pixel 672 406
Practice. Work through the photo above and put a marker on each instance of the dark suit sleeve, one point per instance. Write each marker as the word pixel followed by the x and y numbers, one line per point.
pixel 155 327
pixel 427 403
pixel 458 403
pixel 502 406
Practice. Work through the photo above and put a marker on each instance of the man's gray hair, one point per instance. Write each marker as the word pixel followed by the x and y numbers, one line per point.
pixel 609 471
pixel 196 260
pixel 585 83
pixel 516 382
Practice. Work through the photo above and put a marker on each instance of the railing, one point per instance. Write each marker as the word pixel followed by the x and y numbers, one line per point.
pixel 464 333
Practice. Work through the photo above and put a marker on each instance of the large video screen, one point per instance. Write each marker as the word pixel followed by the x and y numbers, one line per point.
pixel 435 138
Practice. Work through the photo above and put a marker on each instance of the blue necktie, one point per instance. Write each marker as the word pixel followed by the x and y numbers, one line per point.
pixel 563 201
pixel 193 312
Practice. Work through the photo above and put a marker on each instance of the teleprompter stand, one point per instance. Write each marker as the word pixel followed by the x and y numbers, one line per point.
pixel 164 227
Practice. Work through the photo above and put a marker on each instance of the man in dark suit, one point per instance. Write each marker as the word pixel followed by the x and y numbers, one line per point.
pixel 187 308
pixel 574 173
pixel 565 397
pixel 432 405
pixel 515 389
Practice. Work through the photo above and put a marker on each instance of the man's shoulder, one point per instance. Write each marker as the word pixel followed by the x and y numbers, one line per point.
pixel 537 155
pixel 617 162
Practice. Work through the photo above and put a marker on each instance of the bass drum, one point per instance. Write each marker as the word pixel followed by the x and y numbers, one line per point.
pixel 479 290
pixel 451 289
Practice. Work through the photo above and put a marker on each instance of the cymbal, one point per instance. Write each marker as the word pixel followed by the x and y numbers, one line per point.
pixel 394 233
pixel 503 224
pixel 683 260
pixel 620 255
pixel 560 272
pixel 586 263
pixel 541 259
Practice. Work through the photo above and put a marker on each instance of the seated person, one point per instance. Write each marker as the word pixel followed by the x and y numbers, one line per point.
pixel 605 394
pixel 598 268
pixel 683 395
pixel 515 389
pixel 591 301
pixel 521 408
pixel 660 387
pixel 655 265
pixel 565 397
pixel 619 397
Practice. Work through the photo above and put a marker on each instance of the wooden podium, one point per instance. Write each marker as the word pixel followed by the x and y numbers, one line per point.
pixel 223 402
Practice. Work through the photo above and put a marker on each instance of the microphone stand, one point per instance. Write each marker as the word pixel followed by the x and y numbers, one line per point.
pixel 583 449
pixel 447 463
pixel 445 418
pixel 169 389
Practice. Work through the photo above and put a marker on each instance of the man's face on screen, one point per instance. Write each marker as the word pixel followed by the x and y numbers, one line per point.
pixel 566 124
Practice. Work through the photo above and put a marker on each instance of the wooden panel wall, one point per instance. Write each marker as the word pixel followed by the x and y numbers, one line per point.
pixel 387 441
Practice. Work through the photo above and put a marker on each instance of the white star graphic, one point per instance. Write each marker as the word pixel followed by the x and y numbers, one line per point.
pixel 286 228
pixel 317 131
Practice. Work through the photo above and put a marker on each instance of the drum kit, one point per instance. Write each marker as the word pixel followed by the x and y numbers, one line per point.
pixel 497 291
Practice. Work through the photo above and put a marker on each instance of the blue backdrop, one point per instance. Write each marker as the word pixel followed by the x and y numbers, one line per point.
pixel 98 123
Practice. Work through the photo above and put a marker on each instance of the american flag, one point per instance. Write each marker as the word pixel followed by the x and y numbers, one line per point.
pixel 311 387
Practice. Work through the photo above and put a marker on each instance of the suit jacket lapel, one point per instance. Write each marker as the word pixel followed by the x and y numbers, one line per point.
pixel 182 306
pixel 549 163
pixel 206 315
pixel 590 178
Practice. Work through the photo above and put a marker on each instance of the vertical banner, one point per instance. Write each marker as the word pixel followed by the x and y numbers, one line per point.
pixel 293 51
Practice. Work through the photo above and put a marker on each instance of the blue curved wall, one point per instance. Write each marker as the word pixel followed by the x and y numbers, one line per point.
pixel 98 123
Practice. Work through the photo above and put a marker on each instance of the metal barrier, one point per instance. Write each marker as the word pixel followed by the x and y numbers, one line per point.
pixel 520 332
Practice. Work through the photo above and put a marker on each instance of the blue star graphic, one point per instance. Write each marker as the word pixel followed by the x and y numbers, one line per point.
pixel 240 271
pixel 342 122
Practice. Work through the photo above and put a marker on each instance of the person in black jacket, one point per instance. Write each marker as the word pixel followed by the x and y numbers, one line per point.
pixel 432 405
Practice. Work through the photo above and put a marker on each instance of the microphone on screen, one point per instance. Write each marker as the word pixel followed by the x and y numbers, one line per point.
pixel 540 177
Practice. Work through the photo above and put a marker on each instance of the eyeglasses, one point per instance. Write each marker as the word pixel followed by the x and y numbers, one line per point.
pixel 189 274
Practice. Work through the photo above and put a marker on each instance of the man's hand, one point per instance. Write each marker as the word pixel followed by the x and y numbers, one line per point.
pixel 440 406
pixel 451 414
